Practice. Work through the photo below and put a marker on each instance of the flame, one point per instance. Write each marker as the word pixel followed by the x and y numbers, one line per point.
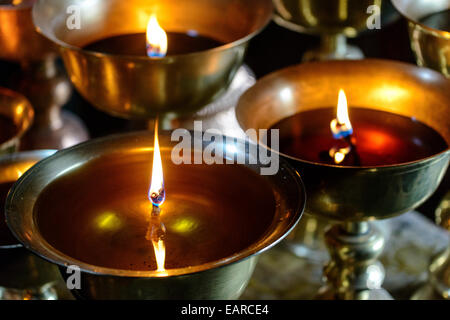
pixel 160 254
pixel 156 39
pixel 342 110
pixel 157 194
pixel 339 154
pixel 341 127
pixel 156 231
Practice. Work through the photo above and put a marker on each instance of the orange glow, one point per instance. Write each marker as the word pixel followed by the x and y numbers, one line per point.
pixel 156 39
pixel 157 192
pixel 377 140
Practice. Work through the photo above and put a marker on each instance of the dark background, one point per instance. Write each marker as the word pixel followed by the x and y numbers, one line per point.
pixel 273 49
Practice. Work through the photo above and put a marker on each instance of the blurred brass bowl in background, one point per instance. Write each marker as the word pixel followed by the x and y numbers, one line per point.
pixel 334 21
pixel 431 45
pixel 19 40
pixel 140 87
pixel 15 107
pixel 357 193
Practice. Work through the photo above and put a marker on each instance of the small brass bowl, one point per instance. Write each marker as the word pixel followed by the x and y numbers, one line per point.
pixel 140 87
pixel 224 278
pixel 22 274
pixel 357 193
pixel 431 46
pixel 19 41
pixel 15 107
pixel 334 21
pixel 323 16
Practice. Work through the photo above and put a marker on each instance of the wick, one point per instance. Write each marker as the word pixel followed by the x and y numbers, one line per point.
pixel 155 211
pixel 156 229
pixel 347 147
pixel 349 139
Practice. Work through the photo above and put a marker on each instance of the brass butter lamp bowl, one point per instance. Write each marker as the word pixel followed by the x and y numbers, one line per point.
pixel 17 109
pixel 354 196
pixel 430 44
pixel 23 276
pixel 333 21
pixel 42 81
pixel 225 278
pixel 140 87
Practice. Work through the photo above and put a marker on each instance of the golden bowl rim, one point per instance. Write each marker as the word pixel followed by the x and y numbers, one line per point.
pixel 29 113
pixel 17 158
pixel 167 59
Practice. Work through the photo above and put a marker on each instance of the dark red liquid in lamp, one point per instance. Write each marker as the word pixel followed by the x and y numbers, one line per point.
pixel 378 138
pixel 156 43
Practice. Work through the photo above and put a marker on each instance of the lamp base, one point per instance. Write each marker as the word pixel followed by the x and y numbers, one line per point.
pixel 354 273
pixel 46 85
pixel 333 47
pixel 46 292
pixel 307 241
pixel 327 293
pixel 66 131
pixel 219 114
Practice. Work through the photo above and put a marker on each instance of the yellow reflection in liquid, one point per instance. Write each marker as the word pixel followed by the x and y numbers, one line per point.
pixel 108 221
pixel 184 225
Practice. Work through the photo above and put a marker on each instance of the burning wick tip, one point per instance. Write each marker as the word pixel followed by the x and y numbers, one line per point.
pixel 155 211
pixel 157 198
pixel 155 52
pixel 340 130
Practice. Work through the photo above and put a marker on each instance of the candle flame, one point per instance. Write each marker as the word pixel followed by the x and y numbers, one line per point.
pixel 341 127
pixel 342 110
pixel 156 233
pixel 156 39
pixel 156 230
pixel 339 154
pixel 160 254
pixel 157 193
